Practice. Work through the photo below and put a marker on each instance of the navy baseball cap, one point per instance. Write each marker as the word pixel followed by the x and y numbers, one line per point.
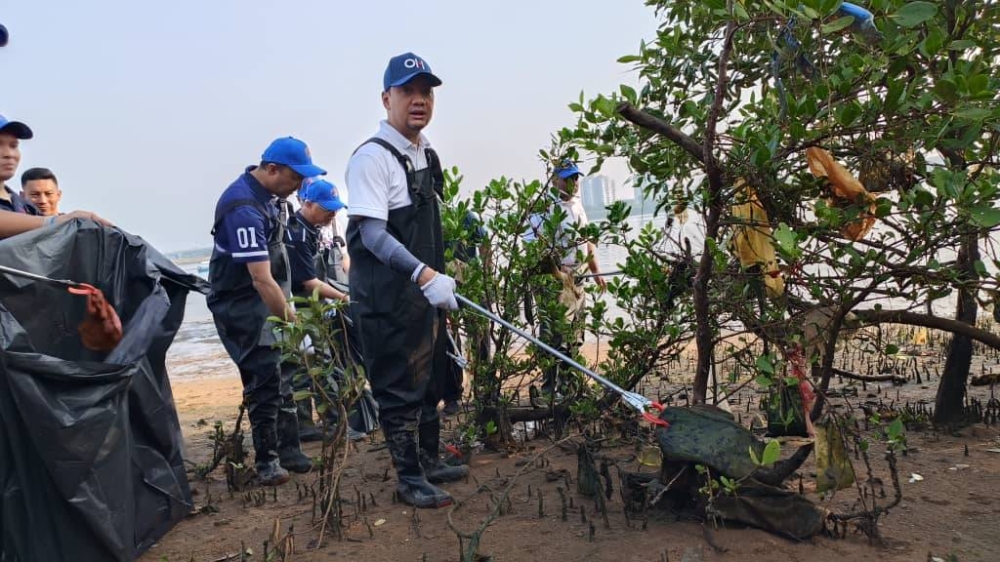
pixel 16 128
pixel 406 67
pixel 321 192
pixel 567 170
pixel 4 36
pixel 291 152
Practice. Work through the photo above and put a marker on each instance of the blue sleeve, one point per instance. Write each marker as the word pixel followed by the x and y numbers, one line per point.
pixel 302 250
pixel 243 235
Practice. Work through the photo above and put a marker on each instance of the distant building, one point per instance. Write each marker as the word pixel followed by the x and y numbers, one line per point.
pixel 610 190
pixel 641 204
pixel 592 192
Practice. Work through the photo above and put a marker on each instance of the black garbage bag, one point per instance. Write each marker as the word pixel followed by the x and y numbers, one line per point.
pixel 785 414
pixel 91 463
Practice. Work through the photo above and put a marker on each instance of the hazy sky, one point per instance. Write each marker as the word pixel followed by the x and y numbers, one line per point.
pixel 147 110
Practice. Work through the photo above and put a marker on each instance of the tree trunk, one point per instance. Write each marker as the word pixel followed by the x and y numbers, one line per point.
pixel 948 410
pixel 704 323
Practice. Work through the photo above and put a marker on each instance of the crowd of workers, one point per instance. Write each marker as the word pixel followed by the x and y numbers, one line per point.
pixel 389 267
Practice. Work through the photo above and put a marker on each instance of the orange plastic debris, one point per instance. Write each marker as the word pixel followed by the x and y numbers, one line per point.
pixel 847 190
pixel 102 328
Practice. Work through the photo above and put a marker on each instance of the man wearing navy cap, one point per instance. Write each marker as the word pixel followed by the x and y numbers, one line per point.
pixel 11 135
pixel 16 214
pixel 571 258
pixel 250 281
pixel 398 287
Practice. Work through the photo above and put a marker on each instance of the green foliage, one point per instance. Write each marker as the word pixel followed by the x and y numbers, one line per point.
pixel 311 342
pixel 913 112
pixel 509 268
pixel 915 13
pixel 895 435
pixel 772 451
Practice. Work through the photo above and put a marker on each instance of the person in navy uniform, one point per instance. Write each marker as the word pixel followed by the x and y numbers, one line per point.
pixel 251 281
pixel 320 203
pixel 397 279
pixel 17 215
pixel 11 135
pixel 41 187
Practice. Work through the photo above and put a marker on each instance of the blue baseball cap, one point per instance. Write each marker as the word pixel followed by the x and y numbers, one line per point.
pixel 4 36
pixel 567 170
pixel 321 192
pixel 16 128
pixel 405 67
pixel 291 152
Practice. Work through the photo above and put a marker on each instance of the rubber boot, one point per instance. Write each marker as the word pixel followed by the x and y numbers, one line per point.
pixel 436 470
pixel 413 487
pixel 269 472
pixel 289 451
pixel 451 407
pixel 301 381
pixel 330 420
pixel 308 430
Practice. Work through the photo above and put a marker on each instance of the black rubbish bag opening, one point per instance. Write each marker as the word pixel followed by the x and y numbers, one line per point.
pixel 91 464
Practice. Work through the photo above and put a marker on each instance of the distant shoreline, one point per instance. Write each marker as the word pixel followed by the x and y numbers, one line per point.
pixel 188 257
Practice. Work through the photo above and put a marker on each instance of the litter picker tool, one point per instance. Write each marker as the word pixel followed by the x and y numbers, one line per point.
pixel 633 399
pixel 101 330
pixel 459 360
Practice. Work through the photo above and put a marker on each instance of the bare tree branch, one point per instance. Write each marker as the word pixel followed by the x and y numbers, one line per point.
pixel 895 379
pixel 659 126
pixel 868 317
pixel 704 326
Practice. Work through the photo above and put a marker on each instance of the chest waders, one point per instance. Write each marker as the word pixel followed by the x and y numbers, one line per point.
pixel 402 336
pixel 241 319
pixel 363 418
pixel 330 264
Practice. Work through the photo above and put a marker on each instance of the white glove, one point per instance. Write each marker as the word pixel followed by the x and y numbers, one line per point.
pixel 440 292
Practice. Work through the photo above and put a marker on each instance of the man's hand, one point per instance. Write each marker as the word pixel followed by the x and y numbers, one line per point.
pixel 440 290
pixel 269 290
pixel 86 215
pixel 326 290
pixel 601 283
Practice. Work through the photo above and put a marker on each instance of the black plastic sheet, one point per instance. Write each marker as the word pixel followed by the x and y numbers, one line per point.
pixel 91 463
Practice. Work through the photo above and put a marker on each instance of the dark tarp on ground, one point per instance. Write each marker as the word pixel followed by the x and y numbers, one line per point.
pixel 706 435
pixel 91 463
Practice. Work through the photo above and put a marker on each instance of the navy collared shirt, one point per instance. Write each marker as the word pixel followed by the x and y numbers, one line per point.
pixel 302 241
pixel 243 231
pixel 17 204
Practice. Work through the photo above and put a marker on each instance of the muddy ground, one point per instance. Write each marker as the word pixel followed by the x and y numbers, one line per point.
pixel 951 512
